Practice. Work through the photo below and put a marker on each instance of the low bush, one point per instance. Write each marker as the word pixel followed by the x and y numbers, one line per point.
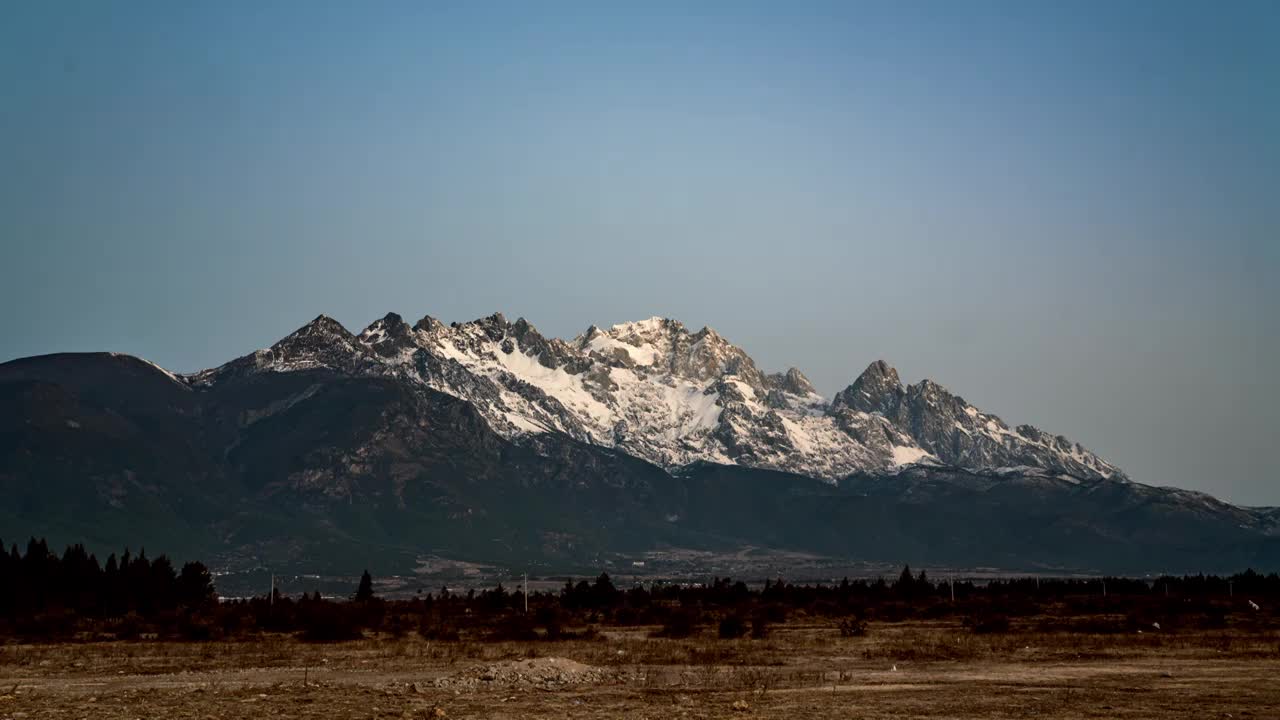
pixel 550 620
pixel 732 627
pixel 987 624
pixel 327 622
pixel 195 629
pixel 438 629
pixel 759 626
pixel 852 627
pixel 513 628
pixel 679 624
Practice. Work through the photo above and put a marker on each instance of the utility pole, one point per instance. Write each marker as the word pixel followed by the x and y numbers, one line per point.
pixel 271 594
pixel 1231 588
pixel 526 593
pixel 1104 588
pixel 952 583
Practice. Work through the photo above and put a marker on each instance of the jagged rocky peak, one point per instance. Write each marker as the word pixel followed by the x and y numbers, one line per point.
pixel 390 324
pixel 960 434
pixel 494 335
pixel 321 343
pixel 712 356
pixel 389 336
pixel 792 381
pixel 666 346
pixel 935 398
pixel 495 325
pixel 551 352
pixel 877 390
pixel 429 325
pixel 316 336
pixel 657 332
pixel 647 328
pixel 321 325
pixel 640 344
pixel 654 389
pixel 526 333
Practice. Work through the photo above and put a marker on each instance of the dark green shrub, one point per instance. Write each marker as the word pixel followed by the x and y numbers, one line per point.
pixel 513 628
pixel 438 630
pixel 759 626
pixel 549 618
pixel 732 627
pixel 327 622
pixel 852 627
pixel 680 623
pixel 989 624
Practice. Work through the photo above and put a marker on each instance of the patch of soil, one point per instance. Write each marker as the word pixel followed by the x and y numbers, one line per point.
pixel 543 673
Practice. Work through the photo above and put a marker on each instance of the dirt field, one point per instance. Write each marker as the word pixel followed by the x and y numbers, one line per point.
pixel 907 670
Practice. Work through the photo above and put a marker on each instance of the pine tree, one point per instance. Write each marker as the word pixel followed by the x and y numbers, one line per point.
pixel 195 585
pixel 8 579
pixel 922 583
pixel 905 586
pixel 162 583
pixel 364 593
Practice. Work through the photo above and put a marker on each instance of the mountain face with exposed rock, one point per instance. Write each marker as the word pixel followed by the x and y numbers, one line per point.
pixel 659 392
pixel 488 440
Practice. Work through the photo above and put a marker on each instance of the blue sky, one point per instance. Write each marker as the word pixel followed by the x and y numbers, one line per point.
pixel 1068 213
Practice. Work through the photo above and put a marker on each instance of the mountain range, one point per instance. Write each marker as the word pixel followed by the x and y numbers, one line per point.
pixel 488 441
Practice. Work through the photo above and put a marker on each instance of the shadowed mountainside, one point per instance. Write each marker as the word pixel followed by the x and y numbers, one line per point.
pixel 326 468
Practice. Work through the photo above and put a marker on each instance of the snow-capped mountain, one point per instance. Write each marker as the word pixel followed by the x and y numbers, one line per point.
pixel 487 441
pixel 657 391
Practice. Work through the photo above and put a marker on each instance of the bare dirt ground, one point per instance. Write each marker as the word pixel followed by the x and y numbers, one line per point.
pixel 906 670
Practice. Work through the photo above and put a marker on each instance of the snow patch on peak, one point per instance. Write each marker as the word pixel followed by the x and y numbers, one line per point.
pixel 903 455
pixel 647 325
pixel 638 354
pixel 381 329
pixel 568 389
pixel 652 389
pixel 172 376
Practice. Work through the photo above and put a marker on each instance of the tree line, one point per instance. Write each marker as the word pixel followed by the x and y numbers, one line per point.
pixel 39 581
pixel 44 596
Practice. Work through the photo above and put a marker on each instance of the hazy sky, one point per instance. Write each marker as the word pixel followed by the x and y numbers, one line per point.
pixel 1067 212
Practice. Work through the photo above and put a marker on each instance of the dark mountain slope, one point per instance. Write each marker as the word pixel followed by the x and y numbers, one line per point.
pixel 328 468
pixel 274 466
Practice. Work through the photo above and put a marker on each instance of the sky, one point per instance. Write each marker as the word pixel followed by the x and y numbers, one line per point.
pixel 1067 213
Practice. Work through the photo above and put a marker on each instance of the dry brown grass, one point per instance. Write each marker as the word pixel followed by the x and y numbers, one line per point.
pixel 804 669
